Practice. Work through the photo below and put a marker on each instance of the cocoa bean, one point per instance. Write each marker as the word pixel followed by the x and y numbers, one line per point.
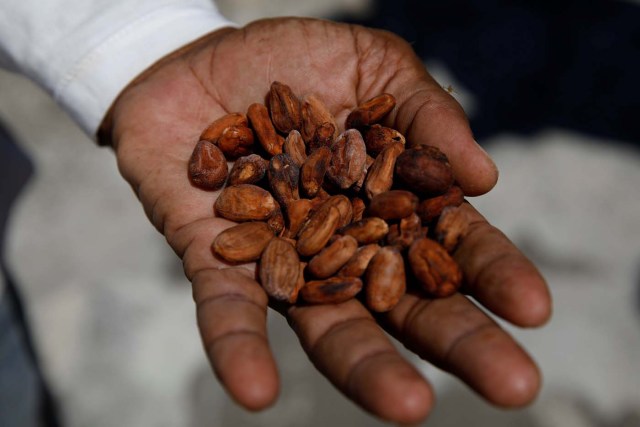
pixel 236 141
pixel 431 208
pixel 331 291
pixel 371 111
pixel 249 169
pixel 437 273
pixel 424 170
pixel 279 270
pixel 284 176
pixel 315 234
pixel 380 175
pixel 358 263
pixel 243 242
pixel 348 159
pixel 366 231
pixel 329 260
pixel 215 129
pixel 245 202
pixel 284 108
pixel 451 228
pixel 314 114
pixel 294 146
pixel 377 137
pixel 207 166
pixel 314 169
pixel 261 123
pixel 385 280
pixel 393 204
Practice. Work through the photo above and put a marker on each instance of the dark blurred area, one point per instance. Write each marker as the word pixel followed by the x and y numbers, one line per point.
pixel 530 64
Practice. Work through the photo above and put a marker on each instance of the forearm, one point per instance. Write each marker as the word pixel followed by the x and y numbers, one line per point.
pixel 84 53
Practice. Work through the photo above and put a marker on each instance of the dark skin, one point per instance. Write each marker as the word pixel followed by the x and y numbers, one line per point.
pixel 153 127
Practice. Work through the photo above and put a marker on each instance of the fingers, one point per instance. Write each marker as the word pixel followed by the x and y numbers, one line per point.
pixel 500 277
pixel 456 336
pixel 231 312
pixel 350 349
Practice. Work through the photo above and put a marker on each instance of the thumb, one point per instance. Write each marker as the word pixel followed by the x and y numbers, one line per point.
pixel 427 114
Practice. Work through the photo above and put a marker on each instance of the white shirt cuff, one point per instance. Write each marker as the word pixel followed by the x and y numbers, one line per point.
pixel 93 83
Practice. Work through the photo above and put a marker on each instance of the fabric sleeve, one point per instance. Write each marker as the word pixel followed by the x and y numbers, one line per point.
pixel 84 52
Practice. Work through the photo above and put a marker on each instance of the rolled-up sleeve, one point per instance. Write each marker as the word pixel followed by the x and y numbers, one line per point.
pixel 84 52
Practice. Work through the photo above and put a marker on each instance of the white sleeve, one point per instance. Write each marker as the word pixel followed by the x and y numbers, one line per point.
pixel 84 52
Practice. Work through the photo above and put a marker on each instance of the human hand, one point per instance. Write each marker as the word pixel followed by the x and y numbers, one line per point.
pixel 154 126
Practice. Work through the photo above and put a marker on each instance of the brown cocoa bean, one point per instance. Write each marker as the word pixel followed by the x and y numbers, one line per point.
pixel 330 259
pixel 366 231
pixel 243 242
pixel 261 123
pixel 215 129
pixel 249 169
pixel 331 291
pixel 431 208
pixel 348 159
pixel 406 232
pixel 315 234
pixel 279 270
pixel 357 207
pixel 434 269
pixel 284 176
pixel 208 167
pixel 424 170
pixel 276 222
pixel 358 263
pixel 314 114
pixel 322 137
pixel 314 169
pixel 245 202
pixel 385 280
pixel 342 203
pixel 451 228
pixel 371 111
pixel 393 204
pixel 294 146
pixel 298 212
pixel 236 141
pixel 284 107
pixel 380 175
pixel 377 137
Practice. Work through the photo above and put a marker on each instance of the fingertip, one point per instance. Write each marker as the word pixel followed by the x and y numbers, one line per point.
pixel 247 370
pixel 404 395
pixel 519 388
pixel 475 170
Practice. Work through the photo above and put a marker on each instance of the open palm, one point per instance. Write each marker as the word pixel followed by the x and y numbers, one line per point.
pixel 155 125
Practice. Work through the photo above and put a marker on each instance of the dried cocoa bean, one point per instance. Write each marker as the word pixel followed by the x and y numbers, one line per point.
pixel 348 159
pixel 434 269
pixel 431 208
pixel 451 228
pixel 380 175
pixel 261 123
pixel 342 203
pixel 406 232
pixel 284 176
pixel 215 129
pixel 279 270
pixel 298 212
pixel 377 137
pixel 284 107
pixel 249 169
pixel 314 114
pixel 385 280
pixel 315 234
pixel 357 207
pixel 357 265
pixel 236 141
pixel 331 291
pixel 322 137
pixel 314 169
pixel 243 242
pixel 294 146
pixel 329 260
pixel 393 204
pixel 245 202
pixel 207 166
pixel 276 222
pixel 366 231
pixel 371 111
pixel 424 170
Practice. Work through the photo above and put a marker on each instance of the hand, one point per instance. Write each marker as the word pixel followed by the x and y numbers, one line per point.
pixel 155 124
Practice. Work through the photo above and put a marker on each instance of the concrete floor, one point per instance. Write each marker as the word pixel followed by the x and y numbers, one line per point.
pixel 114 319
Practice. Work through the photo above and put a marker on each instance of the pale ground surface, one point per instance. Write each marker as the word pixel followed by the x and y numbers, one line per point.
pixel 115 322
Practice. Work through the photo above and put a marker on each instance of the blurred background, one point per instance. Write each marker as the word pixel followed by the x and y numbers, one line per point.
pixel 551 92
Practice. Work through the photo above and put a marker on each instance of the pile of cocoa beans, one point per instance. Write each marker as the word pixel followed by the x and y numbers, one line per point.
pixel 328 215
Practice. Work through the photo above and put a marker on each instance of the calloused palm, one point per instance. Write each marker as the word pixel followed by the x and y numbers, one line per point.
pixel 155 125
